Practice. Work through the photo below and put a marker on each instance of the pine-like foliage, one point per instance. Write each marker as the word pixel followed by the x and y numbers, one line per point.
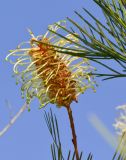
pixel 101 42
pixel 56 146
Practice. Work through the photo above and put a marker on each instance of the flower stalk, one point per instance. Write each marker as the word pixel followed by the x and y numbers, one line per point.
pixel 74 139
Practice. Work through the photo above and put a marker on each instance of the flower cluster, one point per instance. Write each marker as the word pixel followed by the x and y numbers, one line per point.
pixel 47 74
pixel 120 124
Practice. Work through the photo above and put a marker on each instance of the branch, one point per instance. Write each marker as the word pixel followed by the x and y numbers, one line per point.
pixel 12 121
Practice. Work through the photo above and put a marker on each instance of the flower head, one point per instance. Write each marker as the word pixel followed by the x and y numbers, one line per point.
pixel 120 124
pixel 47 74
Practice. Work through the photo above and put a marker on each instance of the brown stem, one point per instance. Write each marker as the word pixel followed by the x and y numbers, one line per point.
pixel 74 139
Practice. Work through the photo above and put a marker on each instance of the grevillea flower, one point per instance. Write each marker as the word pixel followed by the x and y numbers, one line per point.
pixel 47 74
pixel 120 124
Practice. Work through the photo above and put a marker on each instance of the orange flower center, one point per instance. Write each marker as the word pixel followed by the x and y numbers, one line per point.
pixel 54 73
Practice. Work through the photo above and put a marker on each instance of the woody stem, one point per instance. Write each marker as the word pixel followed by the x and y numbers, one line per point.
pixel 74 139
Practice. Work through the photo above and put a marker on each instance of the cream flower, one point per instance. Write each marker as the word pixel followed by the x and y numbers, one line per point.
pixel 47 74
pixel 120 124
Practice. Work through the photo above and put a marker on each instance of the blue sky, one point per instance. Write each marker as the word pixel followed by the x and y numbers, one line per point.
pixel 29 138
